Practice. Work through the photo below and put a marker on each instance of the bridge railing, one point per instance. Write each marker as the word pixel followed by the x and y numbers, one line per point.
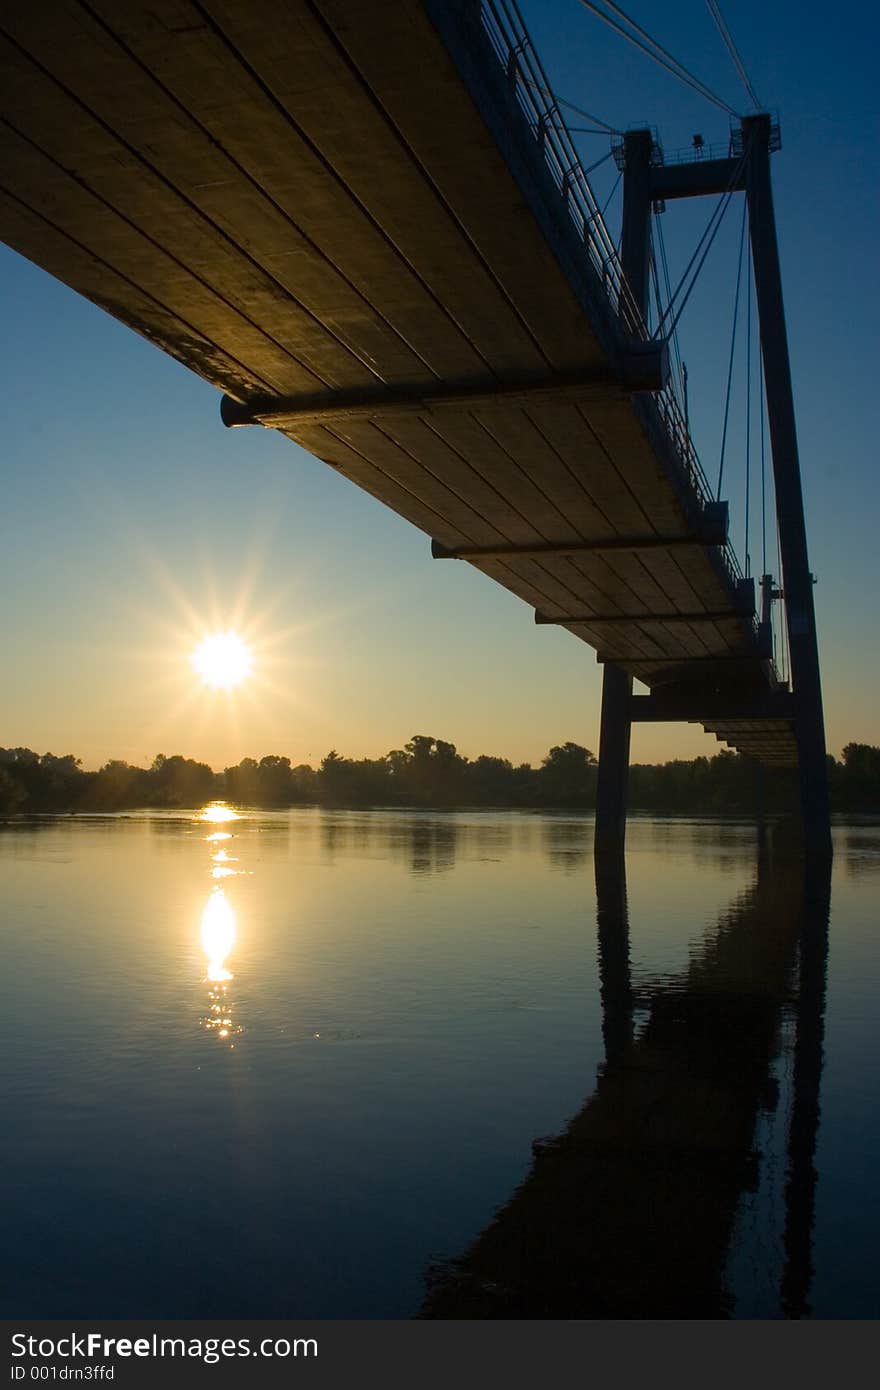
pixel 530 85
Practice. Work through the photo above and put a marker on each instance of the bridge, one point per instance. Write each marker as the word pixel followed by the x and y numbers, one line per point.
pixel 368 227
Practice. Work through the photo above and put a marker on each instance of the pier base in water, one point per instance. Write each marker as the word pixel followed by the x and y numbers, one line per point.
pixel 614 740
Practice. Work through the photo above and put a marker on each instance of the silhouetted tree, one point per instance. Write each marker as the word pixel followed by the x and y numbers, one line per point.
pixel 117 784
pixel 241 782
pixel 568 776
pixel 179 781
pixel 274 781
pixel 304 784
pixel 426 772
pixel 12 794
pixel 491 781
pixel 858 780
pixel 350 782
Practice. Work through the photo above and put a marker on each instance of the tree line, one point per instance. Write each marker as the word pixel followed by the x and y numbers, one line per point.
pixel 426 772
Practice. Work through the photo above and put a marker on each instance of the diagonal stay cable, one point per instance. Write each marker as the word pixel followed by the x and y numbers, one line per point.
pixel 590 167
pixel 655 283
pixel 721 25
pixel 611 195
pixel 664 263
pixel 711 232
pixel 675 376
pixel 707 238
pixel 656 51
pixel 739 267
pixel 579 110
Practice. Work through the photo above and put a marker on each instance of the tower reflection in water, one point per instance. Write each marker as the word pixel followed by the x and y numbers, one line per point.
pixel 219 931
pixel 632 1212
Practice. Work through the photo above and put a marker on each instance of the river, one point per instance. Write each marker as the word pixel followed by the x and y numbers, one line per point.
pixel 372 1064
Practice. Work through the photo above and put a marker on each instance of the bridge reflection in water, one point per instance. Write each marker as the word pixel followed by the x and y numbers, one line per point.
pixel 632 1211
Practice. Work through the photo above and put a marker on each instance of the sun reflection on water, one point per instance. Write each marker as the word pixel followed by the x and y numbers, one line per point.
pixel 219 926
pixel 221 861
pixel 219 929
pixel 218 934
pixel 218 813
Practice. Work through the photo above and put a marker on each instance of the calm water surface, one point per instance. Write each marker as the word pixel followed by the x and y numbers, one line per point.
pixel 369 1064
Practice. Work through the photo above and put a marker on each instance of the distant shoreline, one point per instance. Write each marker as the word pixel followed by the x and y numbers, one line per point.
pixel 426 774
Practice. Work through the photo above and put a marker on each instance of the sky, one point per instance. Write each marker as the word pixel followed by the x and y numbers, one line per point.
pixel 132 523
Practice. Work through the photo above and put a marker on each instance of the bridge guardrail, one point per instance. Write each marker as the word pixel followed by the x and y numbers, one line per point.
pixel 516 54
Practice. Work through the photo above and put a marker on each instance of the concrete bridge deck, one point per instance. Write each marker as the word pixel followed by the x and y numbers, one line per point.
pixel 339 214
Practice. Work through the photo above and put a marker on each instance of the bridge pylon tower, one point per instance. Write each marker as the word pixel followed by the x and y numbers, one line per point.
pixel 646 181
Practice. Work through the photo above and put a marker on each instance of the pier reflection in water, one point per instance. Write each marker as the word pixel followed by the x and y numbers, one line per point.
pixel 630 1213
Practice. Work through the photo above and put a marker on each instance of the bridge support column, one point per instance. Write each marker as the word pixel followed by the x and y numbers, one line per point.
pixel 614 737
pixel 613 775
pixel 797 581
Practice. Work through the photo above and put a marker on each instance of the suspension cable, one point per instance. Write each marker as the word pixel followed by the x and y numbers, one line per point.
pixel 664 264
pixel 655 283
pixel 696 275
pixel 590 167
pixel 676 374
pixel 561 101
pixel 739 266
pixel 715 12
pixel 656 51
pixel 710 232
pixel 611 195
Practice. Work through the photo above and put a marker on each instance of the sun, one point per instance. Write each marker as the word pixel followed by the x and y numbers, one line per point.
pixel 223 660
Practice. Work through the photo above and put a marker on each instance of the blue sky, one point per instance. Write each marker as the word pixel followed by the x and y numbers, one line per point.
pixel 132 521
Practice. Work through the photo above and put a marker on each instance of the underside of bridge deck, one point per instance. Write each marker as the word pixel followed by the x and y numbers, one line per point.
pixel 343 216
